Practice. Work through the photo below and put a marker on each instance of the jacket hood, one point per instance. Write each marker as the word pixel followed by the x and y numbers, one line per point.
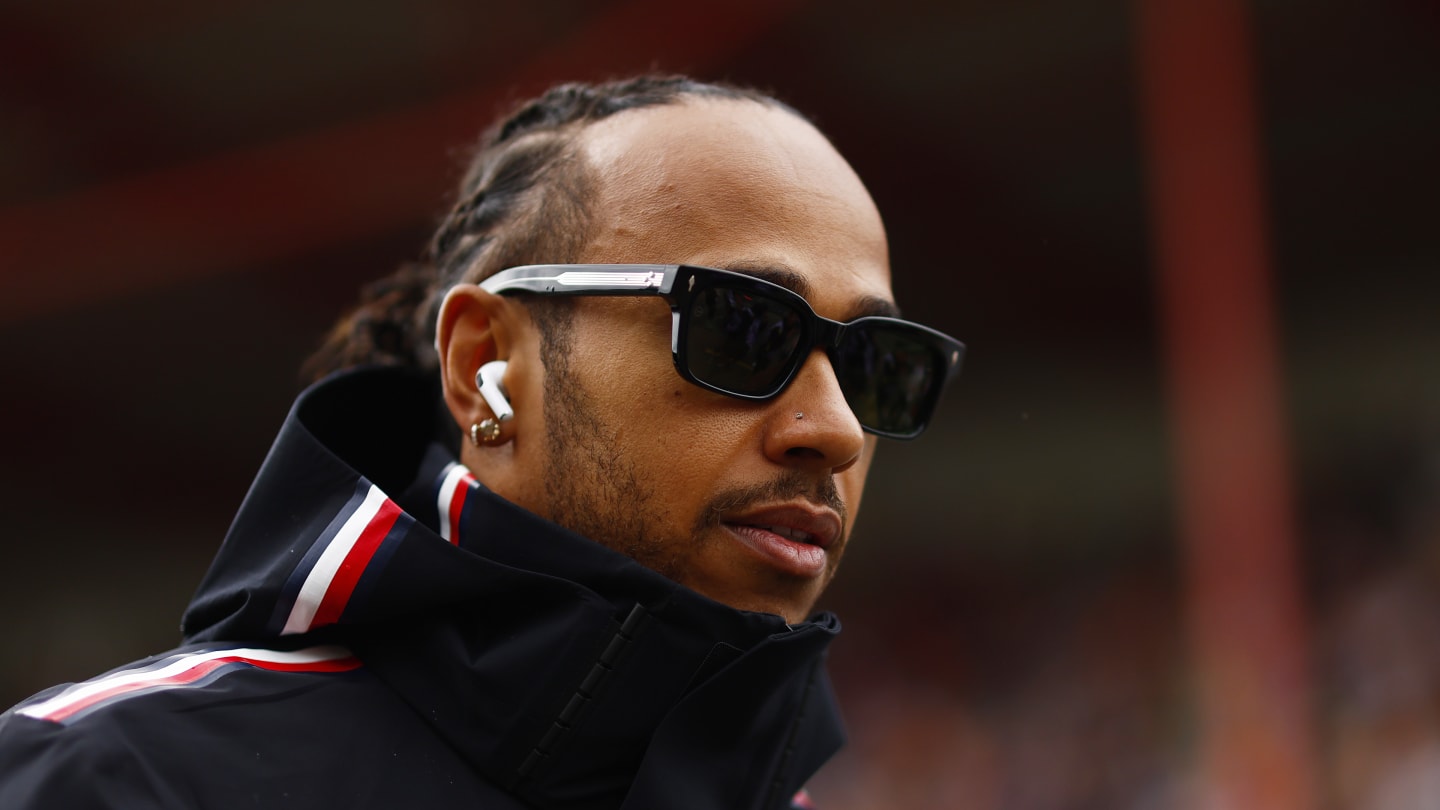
pixel 564 671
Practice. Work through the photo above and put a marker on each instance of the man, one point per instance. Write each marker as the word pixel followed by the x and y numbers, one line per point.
pixel 602 602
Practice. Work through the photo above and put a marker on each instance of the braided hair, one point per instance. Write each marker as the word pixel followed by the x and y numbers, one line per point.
pixel 524 200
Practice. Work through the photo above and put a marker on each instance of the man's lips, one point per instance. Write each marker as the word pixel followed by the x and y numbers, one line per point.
pixel 793 538
pixel 812 526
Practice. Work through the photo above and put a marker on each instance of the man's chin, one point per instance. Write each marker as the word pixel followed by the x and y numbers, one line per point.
pixel 793 608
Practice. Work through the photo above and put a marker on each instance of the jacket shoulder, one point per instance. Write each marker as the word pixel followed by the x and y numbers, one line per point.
pixel 43 765
pixel 233 727
pixel 124 729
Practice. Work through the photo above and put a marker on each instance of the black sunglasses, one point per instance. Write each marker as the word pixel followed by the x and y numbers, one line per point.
pixel 747 338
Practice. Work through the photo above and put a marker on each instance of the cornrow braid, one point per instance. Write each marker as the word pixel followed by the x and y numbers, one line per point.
pixel 523 200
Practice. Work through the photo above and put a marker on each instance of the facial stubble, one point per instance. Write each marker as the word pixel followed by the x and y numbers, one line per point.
pixel 593 488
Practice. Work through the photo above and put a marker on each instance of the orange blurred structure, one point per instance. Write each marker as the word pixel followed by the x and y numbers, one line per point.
pixel 1244 607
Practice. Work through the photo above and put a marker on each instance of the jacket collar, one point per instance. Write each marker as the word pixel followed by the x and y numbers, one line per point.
pixel 562 670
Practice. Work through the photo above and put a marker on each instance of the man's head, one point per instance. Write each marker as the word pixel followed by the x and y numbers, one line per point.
pixel 750 503
pixel 524 199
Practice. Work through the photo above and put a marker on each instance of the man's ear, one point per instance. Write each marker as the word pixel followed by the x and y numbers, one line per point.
pixel 474 327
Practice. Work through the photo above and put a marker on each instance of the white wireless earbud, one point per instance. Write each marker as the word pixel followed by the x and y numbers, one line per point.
pixel 488 380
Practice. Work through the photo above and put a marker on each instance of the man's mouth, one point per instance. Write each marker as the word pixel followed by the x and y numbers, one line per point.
pixel 795 535
pixel 793 538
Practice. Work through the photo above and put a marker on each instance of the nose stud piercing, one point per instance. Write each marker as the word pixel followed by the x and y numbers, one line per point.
pixel 799 415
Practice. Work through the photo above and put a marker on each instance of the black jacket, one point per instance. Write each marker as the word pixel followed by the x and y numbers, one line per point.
pixel 438 648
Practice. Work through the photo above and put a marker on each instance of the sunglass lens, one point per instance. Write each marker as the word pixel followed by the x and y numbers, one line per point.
pixel 888 374
pixel 741 342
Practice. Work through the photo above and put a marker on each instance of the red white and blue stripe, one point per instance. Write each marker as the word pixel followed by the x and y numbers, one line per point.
pixel 182 671
pixel 343 562
pixel 455 483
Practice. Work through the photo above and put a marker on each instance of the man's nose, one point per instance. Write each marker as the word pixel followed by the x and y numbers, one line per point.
pixel 812 426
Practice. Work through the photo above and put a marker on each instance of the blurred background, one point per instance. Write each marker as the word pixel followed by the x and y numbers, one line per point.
pixel 1175 538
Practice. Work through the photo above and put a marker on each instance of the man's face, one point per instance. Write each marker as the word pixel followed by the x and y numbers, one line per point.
pixel 748 503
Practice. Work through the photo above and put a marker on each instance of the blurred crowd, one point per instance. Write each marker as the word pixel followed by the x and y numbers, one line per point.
pixel 1067 689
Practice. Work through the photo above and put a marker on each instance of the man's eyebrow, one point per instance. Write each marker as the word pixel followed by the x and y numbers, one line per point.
pixel 798 284
pixel 775 274
pixel 874 305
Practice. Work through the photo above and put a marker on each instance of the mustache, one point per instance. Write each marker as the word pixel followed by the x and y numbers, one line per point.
pixel 789 485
